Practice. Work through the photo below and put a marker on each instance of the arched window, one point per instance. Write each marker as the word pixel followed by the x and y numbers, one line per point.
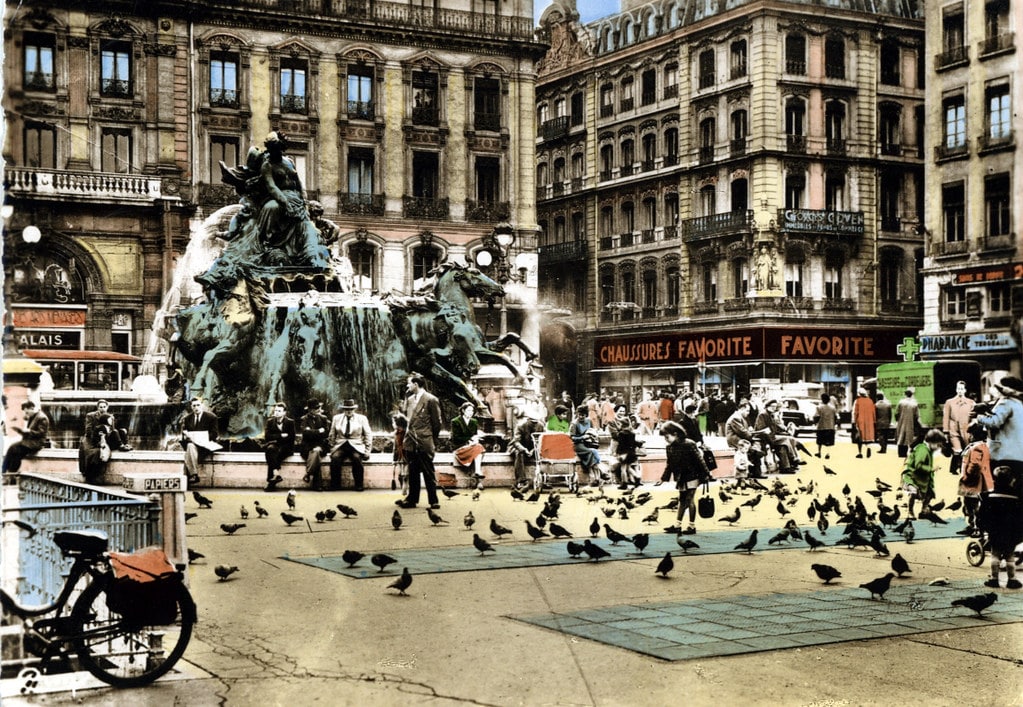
pixel 740 277
pixel 834 263
pixel 363 259
pixel 424 259
pixel 834 126
pixel 795 54
pixel 708 200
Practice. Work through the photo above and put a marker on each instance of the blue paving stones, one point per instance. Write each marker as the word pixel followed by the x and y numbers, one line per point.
pixel 509 554
pixel 729 626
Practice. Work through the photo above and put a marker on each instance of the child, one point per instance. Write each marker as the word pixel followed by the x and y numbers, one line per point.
pixel 974 476
pixel 684 462
pixel 999 517
pixel 741 459
pixel 399 423
pixel 918 475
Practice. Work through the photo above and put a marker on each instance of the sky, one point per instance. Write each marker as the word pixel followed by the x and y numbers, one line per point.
pixel 589 10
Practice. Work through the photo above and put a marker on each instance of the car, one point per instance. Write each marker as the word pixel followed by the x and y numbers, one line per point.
pixel 798 414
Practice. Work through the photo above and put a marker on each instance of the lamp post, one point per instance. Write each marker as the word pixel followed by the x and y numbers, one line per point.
pixel 496 246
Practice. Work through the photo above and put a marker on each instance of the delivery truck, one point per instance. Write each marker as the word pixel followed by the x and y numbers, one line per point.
pixel 933 382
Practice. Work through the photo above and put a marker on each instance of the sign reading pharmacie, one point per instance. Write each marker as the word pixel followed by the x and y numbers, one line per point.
pixel 749 345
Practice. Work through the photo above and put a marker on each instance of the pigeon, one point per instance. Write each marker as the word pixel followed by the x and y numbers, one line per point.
pixel 481 544
pixel 782 509
pixel 608 512
pixel 224 571
pixel 686 544
pixel 829 471
pixel 623 513
pixel 351 557
pixel 933 517
pixel 533 497
pixel 641 540
pixel 448 493
pixel 396 520
pixel 517 495
pixel 202 500
pixel 476 495
pixel 190 516
pixel 541 520
pixel 320 516
pixel 899 565
pixel 193 556
pixel 243 512
pixel 878 586
pixel 955 506
pixel 290 518
pixel 347 511
pixel 469 520
pixel 822 524
pixel 381 560
pixel 231 528
pixel 498 529
pixel 753 502
pixel 749 543
pixel 434 517
pixel 826 572
pixel 652 517
pixel 878 545
pixel 575 549
pixel 882 485
pixel 594 551
pixel 909 532
pixel 846 490
pixel 665 566
pixel 260 511
pixel 402 583
pixel 936 506
pixel 613 535
pixel 594 528
pixel 732 519
pixel 291 499
pixel 783 536
pixel 558 531
pixel 536 533
pixel 813 542
pixel 978 602
pixel 330 513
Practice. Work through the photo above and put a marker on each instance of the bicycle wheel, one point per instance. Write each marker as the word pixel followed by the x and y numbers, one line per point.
pixel 975 553
pixel 123 654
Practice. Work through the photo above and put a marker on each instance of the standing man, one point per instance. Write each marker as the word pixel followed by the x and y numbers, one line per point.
pixel 279 443
pixel 314 425
pixel 100 428
pixel 882 421
pixel 350 439
pixel 955 422
pixel 199 431
pixel 907 422
pixel 424 424
pixel 33 437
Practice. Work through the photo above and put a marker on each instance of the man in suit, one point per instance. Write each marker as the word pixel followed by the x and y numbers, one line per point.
pixel 956 417
pixel 99 426
pixel 278 443
pixel 424 424
pixel 33 437
pixel 350 439
pixel 314 426
pixel 197 420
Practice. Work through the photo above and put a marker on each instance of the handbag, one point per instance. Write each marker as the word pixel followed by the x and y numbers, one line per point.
pixel 709 460
pixel 854 434
pixel 705 506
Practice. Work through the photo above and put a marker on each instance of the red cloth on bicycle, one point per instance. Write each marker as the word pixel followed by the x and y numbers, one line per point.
pixel 143 565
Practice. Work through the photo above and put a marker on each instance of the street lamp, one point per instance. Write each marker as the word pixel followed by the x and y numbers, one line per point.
pixel 496 245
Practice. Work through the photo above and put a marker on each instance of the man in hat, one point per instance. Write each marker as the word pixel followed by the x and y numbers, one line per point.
pixel 314 426
pixel 907 423
pixel 1004 423
pixel 419 444
pixel 522 445
pixel 350 439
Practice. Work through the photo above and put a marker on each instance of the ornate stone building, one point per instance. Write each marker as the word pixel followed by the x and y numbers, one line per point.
pixel 411 124
pixel 730 192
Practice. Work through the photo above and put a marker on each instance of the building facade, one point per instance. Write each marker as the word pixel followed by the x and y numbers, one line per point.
pixel 411 124
pixel 730 192
pixel 973 267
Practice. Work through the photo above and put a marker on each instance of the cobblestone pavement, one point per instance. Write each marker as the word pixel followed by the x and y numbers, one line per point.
pixel 547 629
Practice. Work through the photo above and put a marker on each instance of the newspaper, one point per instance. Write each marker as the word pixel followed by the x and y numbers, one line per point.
pixel 201 438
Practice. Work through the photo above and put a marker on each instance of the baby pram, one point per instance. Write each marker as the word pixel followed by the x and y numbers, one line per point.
pixel 556 460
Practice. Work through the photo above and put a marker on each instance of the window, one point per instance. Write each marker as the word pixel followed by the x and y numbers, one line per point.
pixel 891 58
pixel 890 192
pixel 740 277
pixel 628 156
pixel 739 189
pixel 671 209
pixel 794 278
pixel 628 32
pixel 795 54
pixel 888 279
pixel 360 92
pixel 953 206
pixel 834 58
pixel 706 70
pixel 648 87
pixel 955 122
pixel 360 170
pixel 953 35
pixel 607 288
pixel 834 191
pixel 115 69
pixel 363 259
pixel 293 86
pixel 673 16
pixel 649 151
pixel 999 299
pixel 627 98
pixel 833 265
pixel 649 289
pixel 739 127
pixel 559 107
pixel 671 147
pixel 222 149
pixel 607 161
pixel 425 101
pixel 672 288
pixel 115 150
pixel 39 71
pixel 709 200
pixel 671 80
pixel 541 175
pixel 607 221
pixel 559 170
pixel 607 97
pixel 488 179
pixel 628 286
pixel 708 129
pixel 999 115
pixel 738 59
pixel 578 226
pixel 795 124
pixel 889 129
pixel 955 303
pixel 795 187
pixel 559 229
pixel 834 125
pixel 487 98
pixel 41 146
pixel 577 109
pixel 628 217
pixel 997 205
pixel 997 35
pixel 649 213
pixel 223 80
pixel 543 114
pixel 710 282
pixel 578 166
pixel 424 259
pixel 425 174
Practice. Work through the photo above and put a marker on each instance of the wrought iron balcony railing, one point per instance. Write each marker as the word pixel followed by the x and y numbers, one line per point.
pixel 737 146
pixel 361 110
pixel 292 103
pixel 891 148
pixel 951 57
pixel 997 43
pixel 81 186
pixel 115 88
pixel 366 204
pixel 717 225
pixel 487 121
pixel 39 81
pixel 425 207
pixel 487 211
pixel 795 143
pixel 224 97
pixel 837 146
pixel 563 252
pixel 995 142
pixel 555 128
pixel 959 247
pixel 426 115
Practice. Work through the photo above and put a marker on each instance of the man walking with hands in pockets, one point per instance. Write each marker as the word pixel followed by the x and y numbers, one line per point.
pixel 424 424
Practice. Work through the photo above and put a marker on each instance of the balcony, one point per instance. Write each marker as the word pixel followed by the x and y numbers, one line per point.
pixel 605 175
pixel 625 170
pixel 563 252
pixel 706 154
pixel 670 233
pixel 953 56
pixel 647 98
pixel 425 115
pixel 488 121
pixel 738 71
pixel 1001 241
pixel 952 152
pixel 646 166
pixel 737 146
pixel 836 146
pixel 992 143
pixel 223 98
pixel 361 204
pixel 607 242
pixel 627 104
pixel 670 310
pixel 707 79
pixel 647 235
pixel 838 304
pixel 576 184
pixel 890 76
pixel 488 211
pixel 559 188
pixel 39 81
pixel 425 207
pixel 670 160
pixel 555 128
pixel 891 224
pixel 795 67
pixel 607 110
pixel 996 44
pixel 291 103
pixel 796 143
pixel 730 222
pixel 671 91
pixel 893 149
pixel 834 71
pixel 939 248
pixel 705 308
pixel 114 88
pixel 648 312
pixel 626 240
pixel 738 304
pixel 361 110
pixel 101 187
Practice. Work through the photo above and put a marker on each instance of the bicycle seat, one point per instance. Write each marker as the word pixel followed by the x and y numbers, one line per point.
pixel 88 543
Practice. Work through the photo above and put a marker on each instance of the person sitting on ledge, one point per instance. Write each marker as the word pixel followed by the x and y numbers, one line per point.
pixel 350 438
pixel 465 441
pixel 199 431
pixel 100 431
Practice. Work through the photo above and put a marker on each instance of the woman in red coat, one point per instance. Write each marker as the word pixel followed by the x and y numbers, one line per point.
pixel 864 415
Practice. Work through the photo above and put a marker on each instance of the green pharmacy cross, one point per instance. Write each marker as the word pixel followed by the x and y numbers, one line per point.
pixel 909 348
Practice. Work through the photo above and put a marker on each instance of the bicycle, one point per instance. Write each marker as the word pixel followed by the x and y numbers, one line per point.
pixel 129 649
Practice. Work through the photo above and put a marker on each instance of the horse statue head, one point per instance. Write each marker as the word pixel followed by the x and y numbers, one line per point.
pixel 456 283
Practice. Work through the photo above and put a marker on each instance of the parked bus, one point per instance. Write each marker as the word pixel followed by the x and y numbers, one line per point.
pixel 933 383
pixel 91 375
